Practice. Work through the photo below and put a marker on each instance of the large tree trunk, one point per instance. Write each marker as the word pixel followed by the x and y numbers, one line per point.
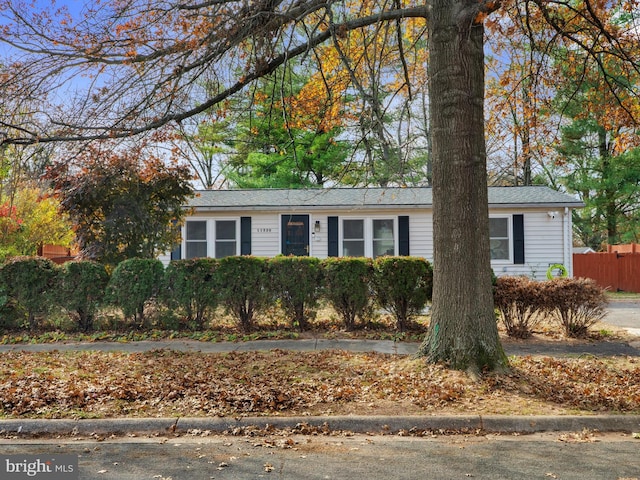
pixel 463 331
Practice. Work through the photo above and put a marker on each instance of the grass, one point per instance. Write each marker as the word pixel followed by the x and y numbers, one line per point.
pixel 616 296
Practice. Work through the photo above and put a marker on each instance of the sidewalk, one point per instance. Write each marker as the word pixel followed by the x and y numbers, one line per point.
pixel 512 347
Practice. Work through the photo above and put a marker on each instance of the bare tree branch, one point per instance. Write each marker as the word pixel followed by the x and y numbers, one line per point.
pixel 137 90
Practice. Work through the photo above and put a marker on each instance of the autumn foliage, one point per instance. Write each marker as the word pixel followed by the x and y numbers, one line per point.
pixel 123 204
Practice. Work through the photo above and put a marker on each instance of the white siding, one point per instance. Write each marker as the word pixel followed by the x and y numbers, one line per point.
pixel 319 243
pixel 543 244
pixel 265 234
pixel 421 234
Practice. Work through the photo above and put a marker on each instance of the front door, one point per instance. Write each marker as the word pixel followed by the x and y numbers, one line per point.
pixel 295 235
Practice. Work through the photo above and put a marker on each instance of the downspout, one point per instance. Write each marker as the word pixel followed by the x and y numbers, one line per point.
pixel 567 241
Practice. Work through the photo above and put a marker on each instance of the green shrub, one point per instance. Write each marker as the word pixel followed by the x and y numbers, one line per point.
pixel 296 282
pixel 403 285
pixel 29 282
pixel 11 315
pixel 243 288
pixel 81 290
pixel 521 303
pixel 192 285
pixel 575 303
pixel 348 288
pixel 134 282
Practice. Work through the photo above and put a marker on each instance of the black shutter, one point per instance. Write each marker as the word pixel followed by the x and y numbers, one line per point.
pixel 176 253
pixel 245 235
pixel 332 233
pixel 518 239
pixel 403 235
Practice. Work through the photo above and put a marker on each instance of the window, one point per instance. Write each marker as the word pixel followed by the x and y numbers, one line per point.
pixel 198 235
pixel 499 238
pixel 368 237
pixel 383 238
pixel 225 238
pixel 196 239
pixel 353 238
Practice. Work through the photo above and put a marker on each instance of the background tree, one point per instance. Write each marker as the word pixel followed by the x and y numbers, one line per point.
pixel 207 150
pixel 122 204
pixel 517 126
pixel 279 144
pixel 597 151
pixel 41 222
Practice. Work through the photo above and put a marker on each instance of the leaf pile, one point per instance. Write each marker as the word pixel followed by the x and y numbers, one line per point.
pixel 169 383
pixel 594 385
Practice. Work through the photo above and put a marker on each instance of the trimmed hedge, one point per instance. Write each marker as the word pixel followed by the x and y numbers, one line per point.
pixel 348 288
pixel 297 284
pixel 193 286
pixel 247 285
pixel 403 285
pixel 134 282
pixel 29 283
pixel 243 289
pixel 81 290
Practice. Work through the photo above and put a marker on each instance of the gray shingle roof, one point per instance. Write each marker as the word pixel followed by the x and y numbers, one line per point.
pixel 340 198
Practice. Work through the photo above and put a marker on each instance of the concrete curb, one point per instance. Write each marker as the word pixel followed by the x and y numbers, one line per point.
pixel 356 424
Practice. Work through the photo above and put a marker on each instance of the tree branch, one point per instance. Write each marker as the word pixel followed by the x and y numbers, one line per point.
pixel 170 88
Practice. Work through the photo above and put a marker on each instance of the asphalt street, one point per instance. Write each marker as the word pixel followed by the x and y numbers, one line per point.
pixel 625 315
pixel 563 456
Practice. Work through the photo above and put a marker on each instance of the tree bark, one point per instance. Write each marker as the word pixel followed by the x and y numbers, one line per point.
pixel 463 331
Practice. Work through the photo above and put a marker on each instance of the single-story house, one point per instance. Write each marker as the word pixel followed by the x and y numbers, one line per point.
pixel 530 227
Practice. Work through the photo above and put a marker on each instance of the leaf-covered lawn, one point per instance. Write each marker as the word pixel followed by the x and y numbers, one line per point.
pixel 168 383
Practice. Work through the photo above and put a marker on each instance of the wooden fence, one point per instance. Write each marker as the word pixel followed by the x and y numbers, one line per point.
pixel 614 271
pixel 56 253
pixel 626 248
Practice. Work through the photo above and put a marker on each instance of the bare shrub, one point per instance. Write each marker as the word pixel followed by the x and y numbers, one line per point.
pixel 575 303
pixel 520 304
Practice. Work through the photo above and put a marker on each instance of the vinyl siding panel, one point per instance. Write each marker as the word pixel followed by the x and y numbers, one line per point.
pixel 543 244
pixel 265 234
pixel 421 234
pixel 319 243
